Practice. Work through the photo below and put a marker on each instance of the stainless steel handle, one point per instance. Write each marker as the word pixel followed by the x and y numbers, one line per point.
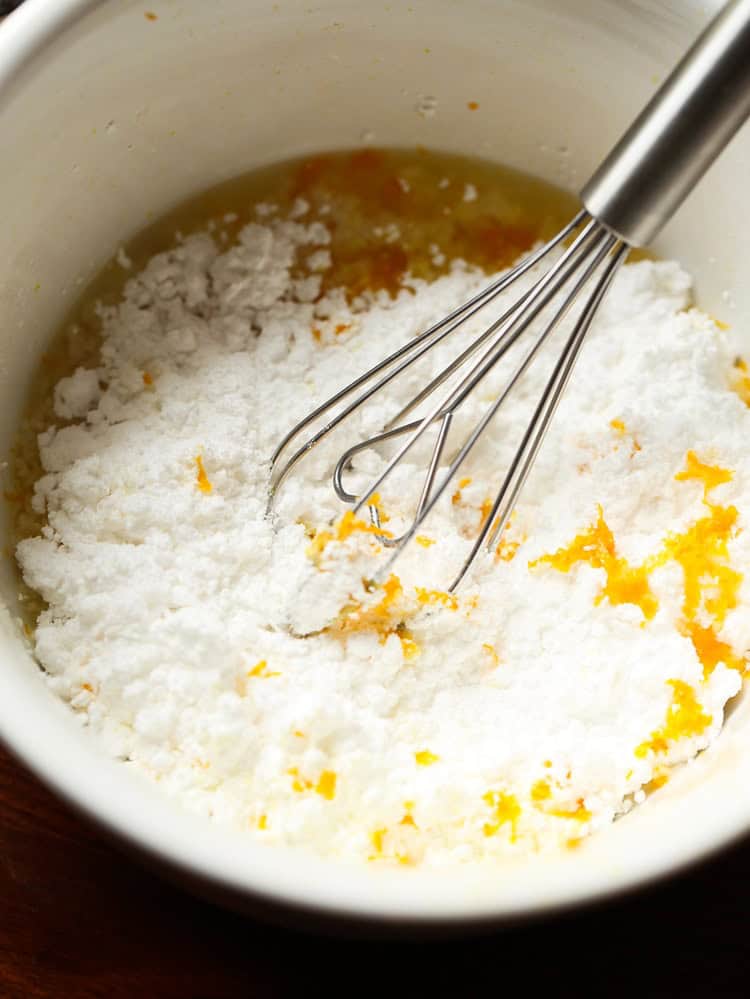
pixel 679 133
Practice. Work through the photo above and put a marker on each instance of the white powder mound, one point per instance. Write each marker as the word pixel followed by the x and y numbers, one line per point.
pixel 528 714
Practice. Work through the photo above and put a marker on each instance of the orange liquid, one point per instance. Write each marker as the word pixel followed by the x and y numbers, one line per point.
pixel 387 210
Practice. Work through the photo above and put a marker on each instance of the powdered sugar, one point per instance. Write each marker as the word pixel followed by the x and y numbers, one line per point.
pixel 517 719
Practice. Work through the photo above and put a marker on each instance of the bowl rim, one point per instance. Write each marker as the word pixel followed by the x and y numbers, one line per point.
pixel 242 871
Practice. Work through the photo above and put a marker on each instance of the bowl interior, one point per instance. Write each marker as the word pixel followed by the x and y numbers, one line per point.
pixel 110 117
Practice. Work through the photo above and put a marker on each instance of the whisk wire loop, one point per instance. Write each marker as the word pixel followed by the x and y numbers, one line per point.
pixel 592 243
pixel 508 333
pixel 634 192
pixel 601 243
pixel 524 458
pixel 407 354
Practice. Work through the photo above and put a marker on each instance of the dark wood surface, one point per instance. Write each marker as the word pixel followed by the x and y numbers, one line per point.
pixel 78 920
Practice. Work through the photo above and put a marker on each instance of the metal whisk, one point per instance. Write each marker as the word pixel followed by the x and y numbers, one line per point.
pixel 626 202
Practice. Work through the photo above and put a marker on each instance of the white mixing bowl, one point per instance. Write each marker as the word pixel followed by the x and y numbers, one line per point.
pixel 107 116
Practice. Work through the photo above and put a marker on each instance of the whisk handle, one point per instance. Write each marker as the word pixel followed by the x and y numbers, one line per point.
pixel 679 133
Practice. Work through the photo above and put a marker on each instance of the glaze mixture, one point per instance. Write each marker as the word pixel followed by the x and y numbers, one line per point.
pixel 392 723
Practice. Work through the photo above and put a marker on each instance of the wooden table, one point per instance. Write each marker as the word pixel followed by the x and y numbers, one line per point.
pixel 78 921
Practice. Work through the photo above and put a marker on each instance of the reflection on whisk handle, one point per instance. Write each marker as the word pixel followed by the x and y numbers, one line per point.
pixel 679 133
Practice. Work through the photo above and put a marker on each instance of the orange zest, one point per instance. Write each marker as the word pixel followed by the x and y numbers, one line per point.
pixel 384 617
pixel 484 511
pixel 462 484
pixel 436 597
pixel 622 431
pixel 377 836
pixel 711 650
pixel 409 647
pixel 579 814
pixel 710 584
pixel 685 718
pixel 348 525
pixel 261 670
pixel 541 791
pixel 326 786
pixel 505 809
pixel 596 547
pixel 740 380
pixel 710 475
pixel 202 479
pixel 506 550
pixel 492 653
